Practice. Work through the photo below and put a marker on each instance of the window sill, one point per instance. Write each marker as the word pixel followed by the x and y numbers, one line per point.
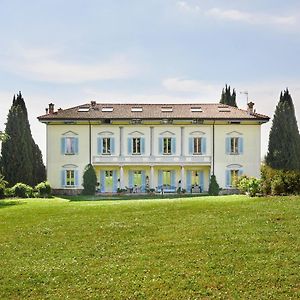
pixel 70 154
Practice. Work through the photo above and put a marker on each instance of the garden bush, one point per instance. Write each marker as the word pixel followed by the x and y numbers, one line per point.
pixel 22 190
pixel 249 185
pixel 3 183
pixel 213 189
pixel 43 189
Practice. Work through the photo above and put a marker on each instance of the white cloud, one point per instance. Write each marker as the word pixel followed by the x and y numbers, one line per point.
pixel 235 15
pixel 251 18
pixel 49 66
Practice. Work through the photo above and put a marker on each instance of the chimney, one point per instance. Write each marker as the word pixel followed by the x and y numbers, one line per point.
pixel 250 108
pixel 93 104
pixel 51 108
pixel 46 111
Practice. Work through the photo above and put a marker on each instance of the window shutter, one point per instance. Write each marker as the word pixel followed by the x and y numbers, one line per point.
pixel 160 146
pixel 130 179
pixel 173 145
pixel 143 181
pixel 201 180
pixel 75 145
pixel 142 145
pixel 240 172
pixel 228 178
pixel 102 181
pixel 112 145
pixel 129 146
pixel 227 143
pixel 76 181
pixel 203 145
pixel 115 181
pixel 62 145
pixel 160 178
pixel 241 145
pixel 99 145
pixel 63 178
pixel 173 178
pixel 188 181
pixel 191 145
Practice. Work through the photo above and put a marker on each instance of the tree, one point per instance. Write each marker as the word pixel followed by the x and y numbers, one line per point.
pixel 89 180
pixel 21 159
pixel 227 97
pixel 214 188
pixel 284 139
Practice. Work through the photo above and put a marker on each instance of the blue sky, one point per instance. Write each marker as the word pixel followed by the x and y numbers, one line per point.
pixel 72 52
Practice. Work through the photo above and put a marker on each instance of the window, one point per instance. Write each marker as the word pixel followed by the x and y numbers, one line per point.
pixel 234 145
pixel 234 174
pixel 167 177
pixel 234 142
pixel 167 146
pixel 106 146
pixel 136 146
pixel 69 145
pixel 70 178
pixel 197 145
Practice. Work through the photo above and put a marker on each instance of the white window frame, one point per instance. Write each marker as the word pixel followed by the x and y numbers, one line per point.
pixel 234 145
pixel 106 145
pixel 136 146
pixel 197 141
pixel 167 146
pixel 70 145
pixel 70 179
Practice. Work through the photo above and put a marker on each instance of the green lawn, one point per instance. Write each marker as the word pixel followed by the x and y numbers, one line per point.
pixel 230 247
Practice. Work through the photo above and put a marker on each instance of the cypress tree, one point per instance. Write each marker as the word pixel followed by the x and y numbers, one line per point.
pixel 21 159
pixel 89 180
pixel 284 139
pixel 227 97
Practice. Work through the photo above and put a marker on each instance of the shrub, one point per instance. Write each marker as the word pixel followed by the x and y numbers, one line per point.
pixel 89 180
pixel 3 183
pixel 249 185
pixel 22 190
pixel 277 186
pixel 43 189
pixel 214 188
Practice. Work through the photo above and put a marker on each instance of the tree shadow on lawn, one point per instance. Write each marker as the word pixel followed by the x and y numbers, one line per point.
pixel 128 197
pixel 4 204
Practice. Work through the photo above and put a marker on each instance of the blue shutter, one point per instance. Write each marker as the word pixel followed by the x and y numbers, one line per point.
pixel 173 145
pixel 76 181
pixel 63 178
pixel 188 181
pixel 112 146
pixel 115 181
pixel 130 179
pixel 142 145
pixel 143 181
pixel 228 178
pixel 173 178
pixel 160 178
pixel 160 146
pixel 240 172
pixel 75 145
pixel 102 181
pixel 241 145
pixel 62 145
pixel 191 146
pixel 129 146
pixel 203 145
pixel 201 180
pixel 227 142
pixel 99 145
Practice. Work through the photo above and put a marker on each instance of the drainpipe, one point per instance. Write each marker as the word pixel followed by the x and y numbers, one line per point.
pixel 213 152
pixel 90 145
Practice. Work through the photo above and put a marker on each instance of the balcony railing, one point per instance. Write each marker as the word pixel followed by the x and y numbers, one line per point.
pixel 164 159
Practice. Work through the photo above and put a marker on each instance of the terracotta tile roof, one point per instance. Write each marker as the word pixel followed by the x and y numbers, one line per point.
pixel 152 111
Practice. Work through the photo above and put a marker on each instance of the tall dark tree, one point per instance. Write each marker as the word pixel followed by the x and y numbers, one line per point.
pixel 21 159
pixel 284 139
pixel 227 97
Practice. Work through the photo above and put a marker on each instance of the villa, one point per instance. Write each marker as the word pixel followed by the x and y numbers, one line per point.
pixel 158 147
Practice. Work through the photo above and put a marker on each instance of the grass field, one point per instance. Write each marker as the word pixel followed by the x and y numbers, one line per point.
pixel 230 247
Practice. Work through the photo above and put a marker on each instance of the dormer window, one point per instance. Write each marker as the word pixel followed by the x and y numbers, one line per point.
pixel 167 109
pixel 107 109
pixel 196 109
pixel 136 109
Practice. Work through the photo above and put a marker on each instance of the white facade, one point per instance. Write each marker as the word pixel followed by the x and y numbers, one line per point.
pixel 167 156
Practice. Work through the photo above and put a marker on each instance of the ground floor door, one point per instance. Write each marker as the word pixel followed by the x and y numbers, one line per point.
pixel 108 181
